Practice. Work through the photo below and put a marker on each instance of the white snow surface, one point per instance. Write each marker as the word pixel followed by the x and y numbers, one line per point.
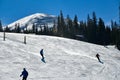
pixel 66 59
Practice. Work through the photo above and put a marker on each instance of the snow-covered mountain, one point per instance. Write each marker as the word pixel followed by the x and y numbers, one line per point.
pixel 37 19
pixel 66 59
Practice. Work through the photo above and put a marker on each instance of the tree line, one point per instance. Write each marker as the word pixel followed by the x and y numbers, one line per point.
pixel 92 30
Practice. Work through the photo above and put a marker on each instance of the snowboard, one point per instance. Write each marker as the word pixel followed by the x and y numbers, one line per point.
pixel 43 60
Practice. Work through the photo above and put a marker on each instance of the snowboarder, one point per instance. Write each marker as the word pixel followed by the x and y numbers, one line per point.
pixel 41 53
pixel 24 74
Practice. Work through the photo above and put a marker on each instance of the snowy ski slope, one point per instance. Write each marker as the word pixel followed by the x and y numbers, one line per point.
pixel 66 59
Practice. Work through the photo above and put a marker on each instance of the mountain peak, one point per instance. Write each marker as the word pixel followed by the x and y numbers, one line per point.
pixel 38 18
pixel 39 14
pixel 42 14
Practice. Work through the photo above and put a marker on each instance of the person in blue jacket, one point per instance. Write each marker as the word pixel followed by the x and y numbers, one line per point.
pixel 42 54
pixel 24 74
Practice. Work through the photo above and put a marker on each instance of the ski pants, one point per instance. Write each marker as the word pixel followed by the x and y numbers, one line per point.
pixel 24 78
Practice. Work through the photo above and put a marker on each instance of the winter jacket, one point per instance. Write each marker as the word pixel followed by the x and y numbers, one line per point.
pixel 24 73
pixel 41 52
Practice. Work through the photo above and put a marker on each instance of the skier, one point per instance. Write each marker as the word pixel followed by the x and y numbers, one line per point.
pixel 98 57
pixel 24 74
pixel 41 53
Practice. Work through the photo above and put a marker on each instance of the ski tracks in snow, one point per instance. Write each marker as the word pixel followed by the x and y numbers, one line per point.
pixel 81 53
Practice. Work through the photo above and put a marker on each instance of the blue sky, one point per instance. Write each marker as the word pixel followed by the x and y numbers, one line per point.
pixel 12 10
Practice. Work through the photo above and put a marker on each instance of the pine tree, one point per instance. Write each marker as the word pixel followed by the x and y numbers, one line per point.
pixel 41 30
pixel 91 33
pixel 89 29
pixel 36 30
pixel 54 29
pixel 107 35
pixel 83 29
pixel 76 26
pixel 33 28
pixel 94 28
pixel 61 25
pixel 114 32
pixel 17 28
pixel 69 28
pixel 59 30
pixel 1 29
pixel 7 29
pixel 101 32
pixel 25 29
pixel 118 40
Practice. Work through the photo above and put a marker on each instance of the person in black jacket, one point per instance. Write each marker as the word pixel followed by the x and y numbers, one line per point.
pixel 98 57
pixel 24 74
